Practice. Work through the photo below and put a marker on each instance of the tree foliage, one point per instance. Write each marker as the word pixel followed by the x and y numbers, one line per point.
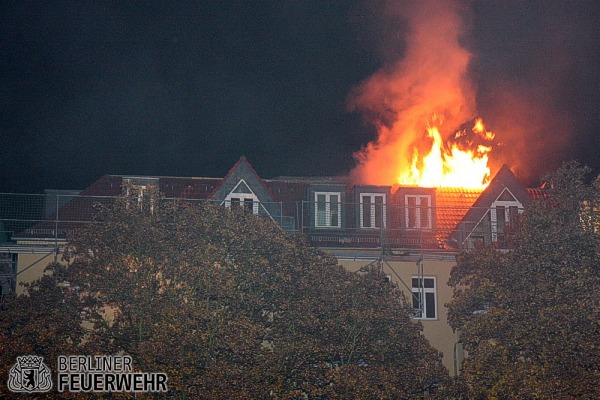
pixel 530 317
pixel 228 305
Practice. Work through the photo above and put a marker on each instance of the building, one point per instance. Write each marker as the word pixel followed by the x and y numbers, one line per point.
pixel 412 233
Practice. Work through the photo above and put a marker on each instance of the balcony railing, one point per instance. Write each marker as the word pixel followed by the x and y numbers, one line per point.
pixel 30 217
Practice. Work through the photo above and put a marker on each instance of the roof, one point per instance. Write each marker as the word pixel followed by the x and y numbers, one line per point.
pixel 537 194
pixel 286 195
pixel 452 205
pixel 241 169
pixel 311 179
pixel 76 210
pixel 188 188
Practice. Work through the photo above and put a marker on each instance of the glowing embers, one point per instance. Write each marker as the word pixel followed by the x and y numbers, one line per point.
pixel 460 162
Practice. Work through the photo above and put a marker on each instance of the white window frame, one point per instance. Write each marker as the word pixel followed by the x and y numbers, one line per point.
pixel 372 196
pixel 242 197
pixel 328 203
pixel 506 204
pixel 421 312
pixel 418 222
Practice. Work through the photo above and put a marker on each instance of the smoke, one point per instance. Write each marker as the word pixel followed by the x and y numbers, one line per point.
pixel 537 76
pixel 533 136
pixel 428 82
pixel 535 68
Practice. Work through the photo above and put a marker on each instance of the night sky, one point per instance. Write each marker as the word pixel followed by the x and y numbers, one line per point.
pixel 178 88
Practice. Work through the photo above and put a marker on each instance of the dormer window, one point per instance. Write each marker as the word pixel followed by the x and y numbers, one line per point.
pixel 504 215
pixel 417 211
pixel 142 188
pixel 242 197
pixel 503 211
pixel 372 210
pixel 327 209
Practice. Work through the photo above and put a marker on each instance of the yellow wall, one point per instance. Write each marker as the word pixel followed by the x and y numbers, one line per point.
pixel 438 332
pixel 31 266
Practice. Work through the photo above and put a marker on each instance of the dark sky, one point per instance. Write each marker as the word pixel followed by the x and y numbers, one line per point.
pixel 184 88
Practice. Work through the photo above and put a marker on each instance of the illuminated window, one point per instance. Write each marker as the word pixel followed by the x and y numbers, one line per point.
pixel 418 211
pixel 424 297
pixel 327 209
pixel 372 210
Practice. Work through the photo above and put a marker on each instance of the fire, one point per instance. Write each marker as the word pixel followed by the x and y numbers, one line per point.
pixel 462 162
pixel 431 78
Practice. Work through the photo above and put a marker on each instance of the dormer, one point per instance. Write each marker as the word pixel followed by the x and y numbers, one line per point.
pixel 142 188
pixel 371 206
pixel 415 209
pixel 243 188
pixel 503 211
pixel 326 205
pixel 499 204
pixel 140 184
pixel 242 196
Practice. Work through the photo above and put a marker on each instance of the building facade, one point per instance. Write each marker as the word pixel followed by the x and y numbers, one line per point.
pixel 413 234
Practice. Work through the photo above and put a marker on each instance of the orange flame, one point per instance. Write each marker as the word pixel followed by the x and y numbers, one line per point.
pixel 463 162
pixel 432 77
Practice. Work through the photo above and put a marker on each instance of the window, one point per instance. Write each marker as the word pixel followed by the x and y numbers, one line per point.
pixel 372 210
pixel 501 218
pixel 242 196
pixel 327 209
pixel 424 297
pixel 502 212
pixel 505 215
pixel 418 212
pixel 246 204
pixel 144 189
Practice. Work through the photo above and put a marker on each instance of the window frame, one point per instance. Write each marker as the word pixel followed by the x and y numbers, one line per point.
pixel 417 291
pixel 508 209
pixel 328 223
pixel 373 210
pixel 418 212
pixel 242 198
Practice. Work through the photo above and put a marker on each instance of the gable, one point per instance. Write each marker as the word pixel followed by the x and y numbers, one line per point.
pixel 242 188
pixel 242 182
pixel 242 179
pixel 504 187
pixel 506 195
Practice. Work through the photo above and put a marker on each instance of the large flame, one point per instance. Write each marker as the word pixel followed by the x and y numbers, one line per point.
pixel 431 79
pixel 462 162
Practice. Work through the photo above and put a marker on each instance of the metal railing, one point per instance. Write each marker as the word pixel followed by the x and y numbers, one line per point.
pixel 36 223
pixel 31 217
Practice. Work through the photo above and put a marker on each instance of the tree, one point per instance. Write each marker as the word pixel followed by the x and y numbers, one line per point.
pixel 39 324
pixel 230 306
pixel 530 318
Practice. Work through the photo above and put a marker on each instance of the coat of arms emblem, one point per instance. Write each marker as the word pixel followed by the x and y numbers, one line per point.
pixel 29 375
